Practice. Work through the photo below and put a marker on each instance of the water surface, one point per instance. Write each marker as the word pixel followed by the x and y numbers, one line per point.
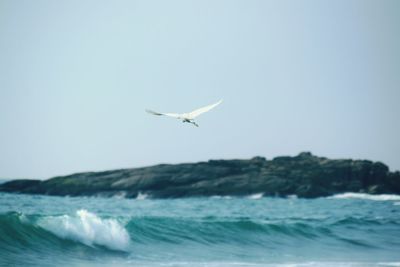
pixel 345 230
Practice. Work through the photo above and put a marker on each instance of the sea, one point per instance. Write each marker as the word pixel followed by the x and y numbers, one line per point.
pixel 343 230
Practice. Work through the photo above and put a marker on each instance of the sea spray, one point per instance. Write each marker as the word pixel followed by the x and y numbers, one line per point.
pixel 89 229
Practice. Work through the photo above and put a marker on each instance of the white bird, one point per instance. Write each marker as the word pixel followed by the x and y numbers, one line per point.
pixel 187 117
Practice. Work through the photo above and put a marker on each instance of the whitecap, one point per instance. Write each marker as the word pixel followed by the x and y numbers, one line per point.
pixel 256 196
pixel 89 229
pixel 391 264
pixel 220 197
pixel 120 195
pixel 141 196
pixel 382 197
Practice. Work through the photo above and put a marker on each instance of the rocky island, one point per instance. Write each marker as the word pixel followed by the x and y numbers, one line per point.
pixel 304 175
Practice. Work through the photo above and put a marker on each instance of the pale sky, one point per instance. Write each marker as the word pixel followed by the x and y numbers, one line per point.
pixel 76 77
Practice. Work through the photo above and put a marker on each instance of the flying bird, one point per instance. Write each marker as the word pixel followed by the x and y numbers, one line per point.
pixel 187 117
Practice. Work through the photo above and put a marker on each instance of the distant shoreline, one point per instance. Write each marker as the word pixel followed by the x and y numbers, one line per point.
pixel 304 175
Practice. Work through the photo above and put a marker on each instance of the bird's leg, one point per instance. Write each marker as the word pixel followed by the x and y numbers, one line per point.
pixel 190 121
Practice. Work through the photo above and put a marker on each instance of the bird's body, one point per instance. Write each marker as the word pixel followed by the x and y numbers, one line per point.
pixel 187 117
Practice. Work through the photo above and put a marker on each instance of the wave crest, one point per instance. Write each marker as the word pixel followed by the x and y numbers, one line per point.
pixel 383 197
pixel 89 229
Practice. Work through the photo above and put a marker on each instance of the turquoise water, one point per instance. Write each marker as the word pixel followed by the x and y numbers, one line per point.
pixel 346 230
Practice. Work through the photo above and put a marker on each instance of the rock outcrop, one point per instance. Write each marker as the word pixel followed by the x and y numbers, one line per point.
pixel 304 175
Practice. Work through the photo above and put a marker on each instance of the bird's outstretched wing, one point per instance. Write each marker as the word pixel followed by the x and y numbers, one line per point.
pixel 197 112
pixel 173 115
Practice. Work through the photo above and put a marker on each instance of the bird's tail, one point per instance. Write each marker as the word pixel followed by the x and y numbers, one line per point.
pixel 153 112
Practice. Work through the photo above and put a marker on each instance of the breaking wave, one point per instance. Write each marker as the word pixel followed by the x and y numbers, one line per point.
pixel 85 236
pixel 383 197
pixel 20 231
pixel 89 229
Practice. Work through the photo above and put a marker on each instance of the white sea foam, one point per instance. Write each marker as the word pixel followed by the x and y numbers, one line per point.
pixel 391 264
pixel 120 195
pixel 141 196
pixel 256 196
pixel 383 197
pixel 220 197
pixel 89 229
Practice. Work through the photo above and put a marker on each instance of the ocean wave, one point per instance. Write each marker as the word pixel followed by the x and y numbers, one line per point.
pixel 89 229
pixel 221 197
pixel 142 196
pixel 253 196
pixel 256 196
pixel 212 230
pixel 382 197
pixel 20 231
pixel 257 264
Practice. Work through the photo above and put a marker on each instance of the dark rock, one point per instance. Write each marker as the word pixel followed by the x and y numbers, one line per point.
pixel 304 175
pixel 19 185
